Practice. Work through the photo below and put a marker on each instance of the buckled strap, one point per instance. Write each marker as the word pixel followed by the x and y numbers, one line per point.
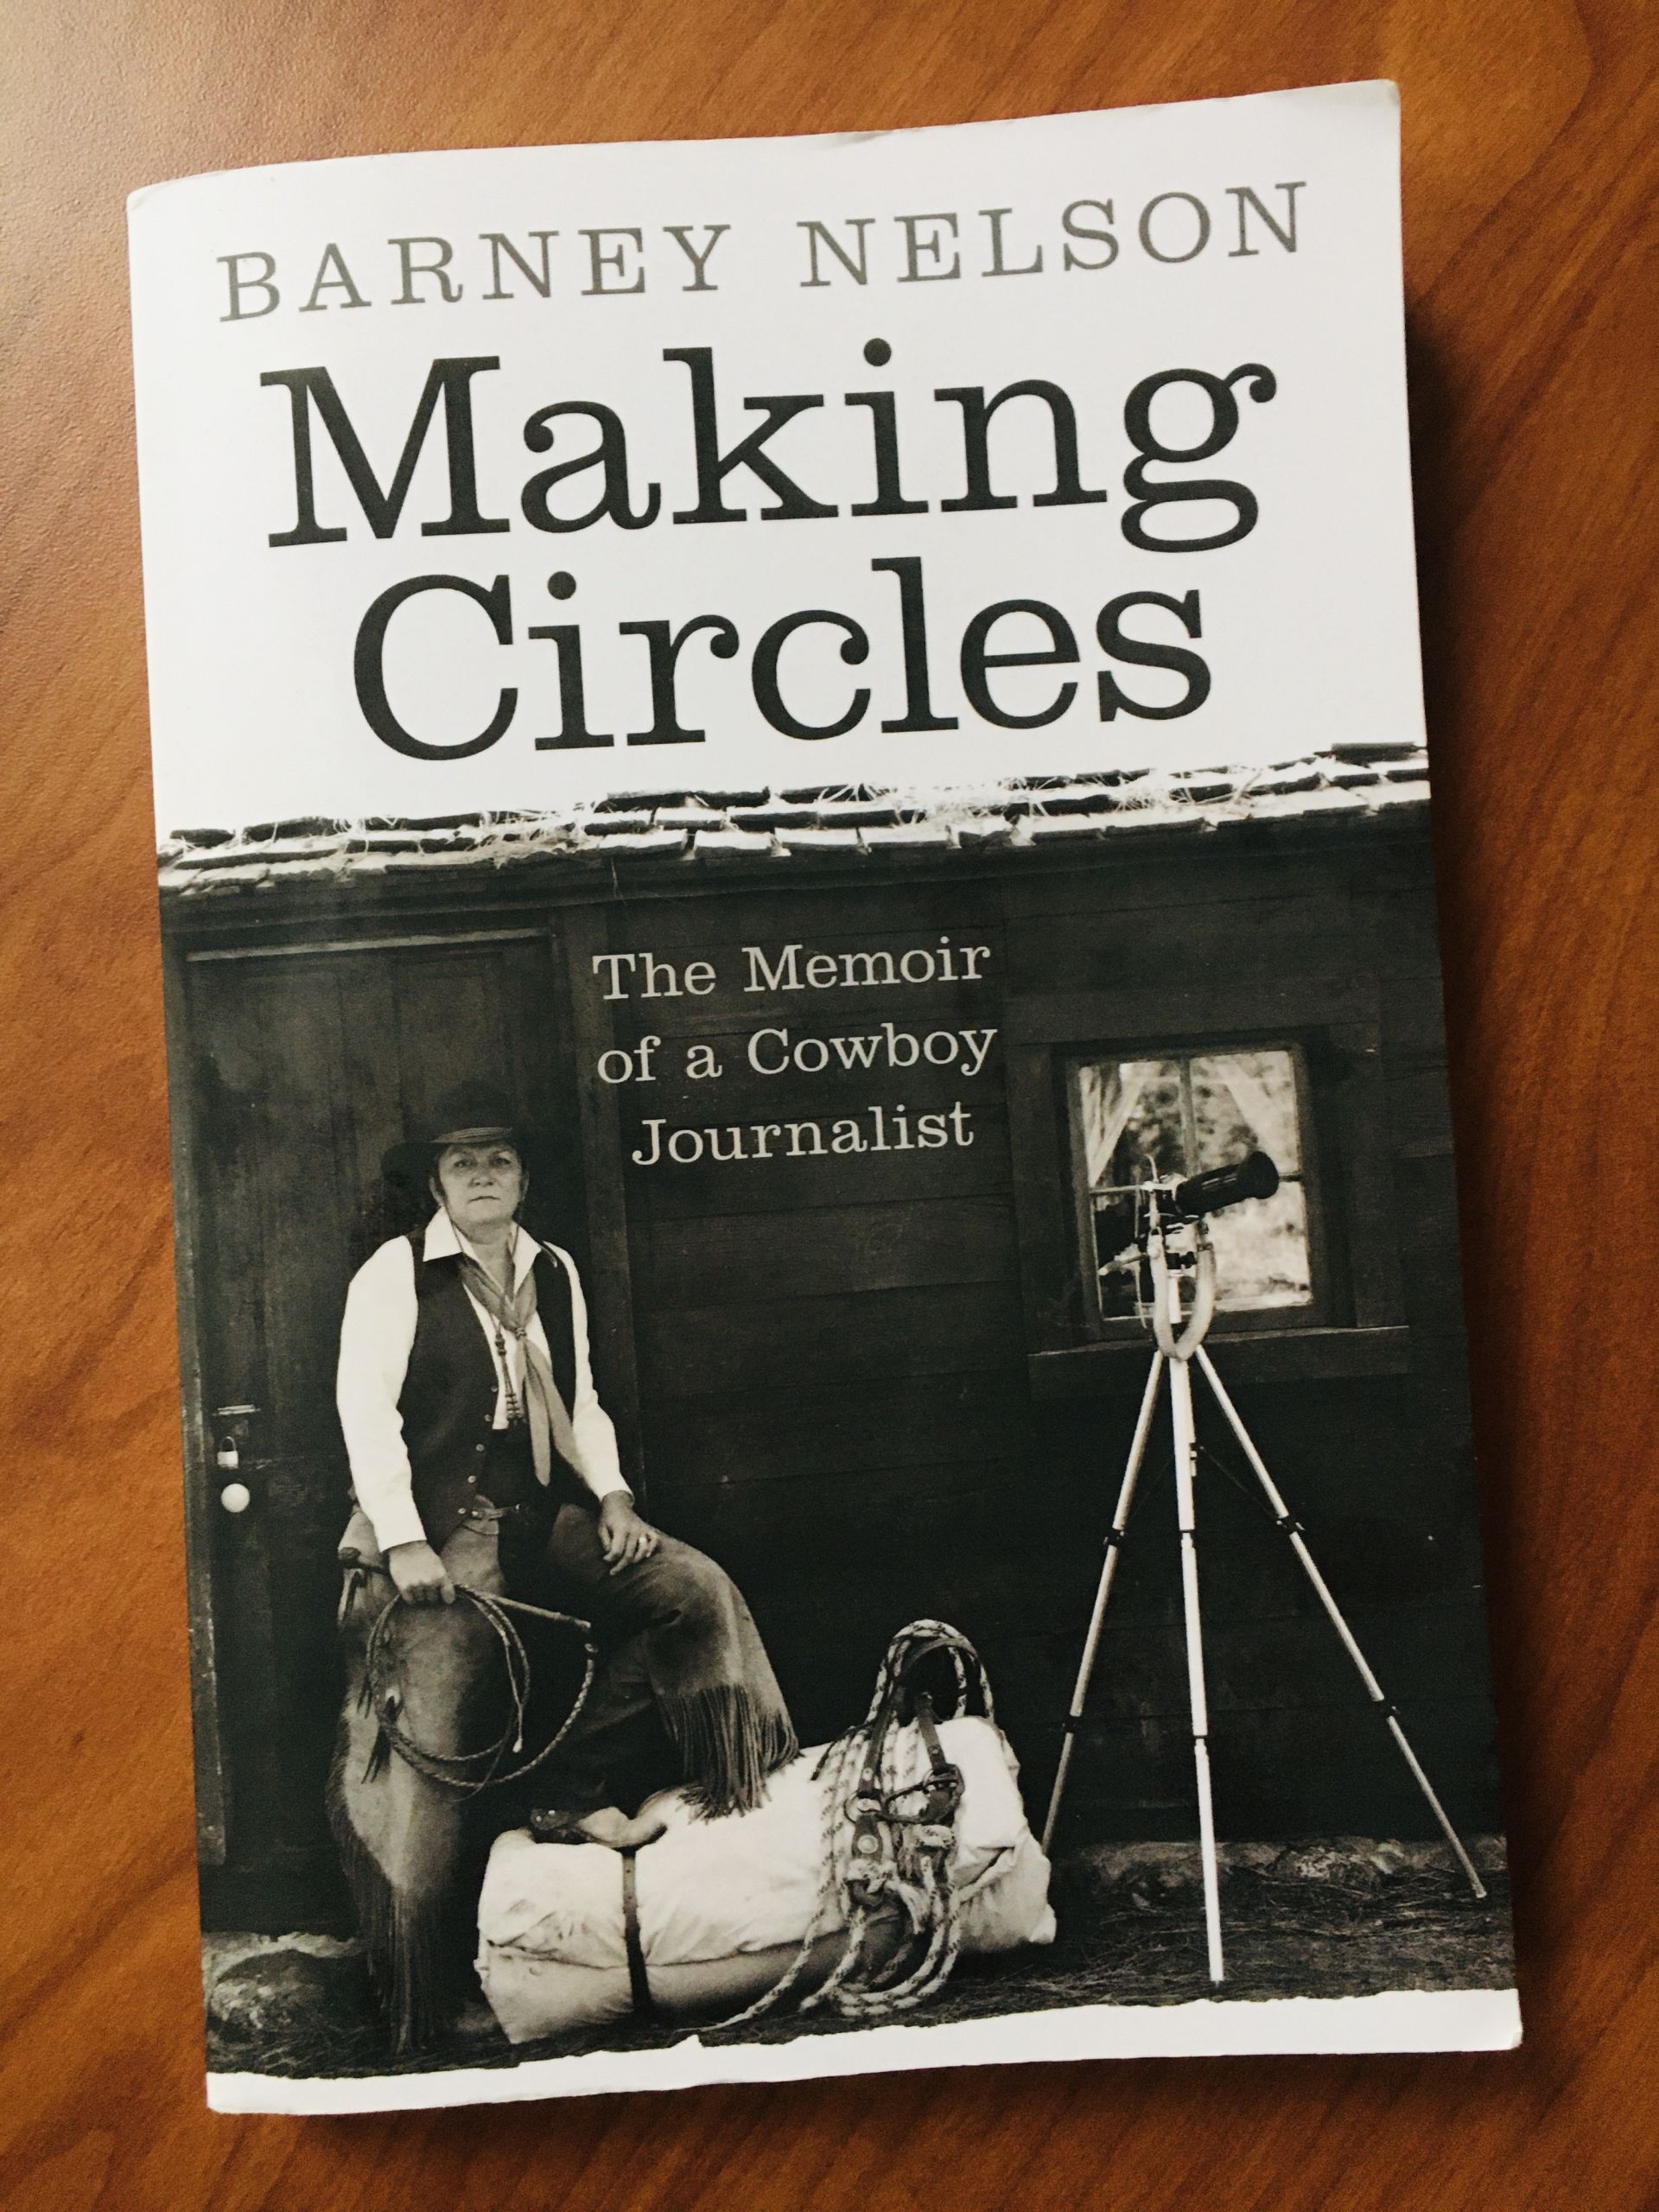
pixel 943 1779
pixel 936 1758
pixel 645 2004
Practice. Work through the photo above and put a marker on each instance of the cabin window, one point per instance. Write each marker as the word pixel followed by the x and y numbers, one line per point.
pixel 1105 1090
pixel 1172 1115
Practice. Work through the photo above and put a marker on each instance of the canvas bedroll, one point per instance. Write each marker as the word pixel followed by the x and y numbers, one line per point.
pixel 724 1906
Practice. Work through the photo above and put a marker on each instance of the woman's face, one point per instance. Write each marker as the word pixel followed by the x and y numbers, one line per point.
pixel 480 1186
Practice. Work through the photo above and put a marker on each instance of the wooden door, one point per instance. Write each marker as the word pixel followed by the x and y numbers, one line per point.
pixel 302 1065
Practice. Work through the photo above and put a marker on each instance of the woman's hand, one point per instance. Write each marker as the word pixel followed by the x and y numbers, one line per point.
pixel 624 1538
pixel 420 1574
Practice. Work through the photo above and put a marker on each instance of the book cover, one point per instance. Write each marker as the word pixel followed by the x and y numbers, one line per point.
pixel 825 1424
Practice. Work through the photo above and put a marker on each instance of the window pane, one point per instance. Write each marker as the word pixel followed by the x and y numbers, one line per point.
pixel 1131 1117
pixel 1261 1252
pixel 1246 1102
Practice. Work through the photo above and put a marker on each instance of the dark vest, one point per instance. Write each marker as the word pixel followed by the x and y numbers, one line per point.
pixel 447 1400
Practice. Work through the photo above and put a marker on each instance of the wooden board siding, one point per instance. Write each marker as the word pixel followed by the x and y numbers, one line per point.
pixel 831 1351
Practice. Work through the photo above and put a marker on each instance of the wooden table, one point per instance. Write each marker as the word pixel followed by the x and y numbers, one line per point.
pixel 1532 161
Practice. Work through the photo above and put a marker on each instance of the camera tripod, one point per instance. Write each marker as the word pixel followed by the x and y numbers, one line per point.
pixel 1178 1335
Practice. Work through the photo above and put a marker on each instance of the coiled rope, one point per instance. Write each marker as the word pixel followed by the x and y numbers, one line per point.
pixel 469 1772
pixel 885 1845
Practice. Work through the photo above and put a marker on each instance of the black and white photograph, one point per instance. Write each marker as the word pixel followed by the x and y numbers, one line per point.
pixel 789 1455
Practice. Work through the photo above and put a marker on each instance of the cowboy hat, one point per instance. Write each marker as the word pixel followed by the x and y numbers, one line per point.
pixel 468 1112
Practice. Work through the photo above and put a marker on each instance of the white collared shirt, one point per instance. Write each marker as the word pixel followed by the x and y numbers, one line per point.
pixel 376 1337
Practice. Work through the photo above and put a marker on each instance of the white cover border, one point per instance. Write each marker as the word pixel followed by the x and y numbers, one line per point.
pixel 1396 2020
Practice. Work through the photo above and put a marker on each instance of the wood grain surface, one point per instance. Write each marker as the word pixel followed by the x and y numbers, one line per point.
pixel 1531 168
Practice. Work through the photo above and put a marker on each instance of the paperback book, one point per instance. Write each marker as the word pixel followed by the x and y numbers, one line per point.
pixel 824 1412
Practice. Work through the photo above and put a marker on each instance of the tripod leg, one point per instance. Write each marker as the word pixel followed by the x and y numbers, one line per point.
pixel 1373 1688
pixel 1108 1569
pixel 1181 1400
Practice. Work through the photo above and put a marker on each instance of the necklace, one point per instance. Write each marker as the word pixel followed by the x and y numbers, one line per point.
pixel 512 1403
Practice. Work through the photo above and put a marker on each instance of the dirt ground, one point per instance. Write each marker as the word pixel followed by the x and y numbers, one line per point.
pixel 1340 1919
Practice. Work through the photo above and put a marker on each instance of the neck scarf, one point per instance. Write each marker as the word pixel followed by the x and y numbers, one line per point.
pixel 513 1312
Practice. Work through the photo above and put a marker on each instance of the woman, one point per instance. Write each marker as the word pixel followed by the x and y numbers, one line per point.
pixel 479 1453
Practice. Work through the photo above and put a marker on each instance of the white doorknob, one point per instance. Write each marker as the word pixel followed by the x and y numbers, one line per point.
pixel 236 1497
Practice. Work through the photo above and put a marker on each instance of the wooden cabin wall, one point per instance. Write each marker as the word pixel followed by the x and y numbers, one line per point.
pixel 832 1358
